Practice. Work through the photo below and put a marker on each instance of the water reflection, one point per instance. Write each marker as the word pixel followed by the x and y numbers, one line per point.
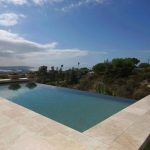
pixel 31 85
pixel 14 86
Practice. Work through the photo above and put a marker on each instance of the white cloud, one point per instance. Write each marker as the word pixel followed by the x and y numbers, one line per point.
pixel 58 53
pixel 16 2
pixel 16 43
pixel 80 3
pixel 23 2
pixel 19 49
pixel 42 2
pixel 10 19
pixel 66 4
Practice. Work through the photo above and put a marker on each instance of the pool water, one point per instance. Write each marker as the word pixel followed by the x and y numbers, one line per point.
pixel 73 108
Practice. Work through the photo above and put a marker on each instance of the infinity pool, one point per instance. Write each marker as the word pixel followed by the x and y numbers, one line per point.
pixel 73 108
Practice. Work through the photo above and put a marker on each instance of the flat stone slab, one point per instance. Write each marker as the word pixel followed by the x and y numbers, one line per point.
pixel 23 129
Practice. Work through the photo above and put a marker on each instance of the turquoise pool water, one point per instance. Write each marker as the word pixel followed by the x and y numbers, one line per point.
pixel 73 108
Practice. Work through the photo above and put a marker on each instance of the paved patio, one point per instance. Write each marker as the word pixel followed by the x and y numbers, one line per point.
pixel 23 129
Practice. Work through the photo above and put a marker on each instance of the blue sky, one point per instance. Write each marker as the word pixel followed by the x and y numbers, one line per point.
pixel 55 32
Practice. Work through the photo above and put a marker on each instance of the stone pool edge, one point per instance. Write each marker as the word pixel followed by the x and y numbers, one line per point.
pixel 21 128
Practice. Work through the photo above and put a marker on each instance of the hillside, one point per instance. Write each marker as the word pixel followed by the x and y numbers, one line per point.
pixel 124 77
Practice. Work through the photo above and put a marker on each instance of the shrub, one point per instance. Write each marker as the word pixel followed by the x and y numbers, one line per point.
pixel 14 76
pixel 141 92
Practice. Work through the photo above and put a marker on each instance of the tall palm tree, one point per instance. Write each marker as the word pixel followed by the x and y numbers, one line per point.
pixel 62 67
pixel 78 64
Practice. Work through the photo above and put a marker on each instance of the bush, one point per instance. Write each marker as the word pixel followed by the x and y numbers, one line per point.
pixel 85 84
pixel 4 76
pixel 14 76
pixel 140 93
pixel 104 89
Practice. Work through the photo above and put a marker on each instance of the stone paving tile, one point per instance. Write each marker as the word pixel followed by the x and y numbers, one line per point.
pixel 148 113
pixel 108 130
pixel 10 133
pixel 4 146
pixel 133 138
pixel 124 116
pixel 57 127
pixel 141 105
pixel 88 142
pixel 125 142
pixel 141 129
pixel 3 101
pixel 47 132
pixel 4 120
pixel 136 111
pixel 31 141
pixel 62 142
pixel 13 114
pixel 102 147
pixel 112 148
pixel 30 124
pixel 4 107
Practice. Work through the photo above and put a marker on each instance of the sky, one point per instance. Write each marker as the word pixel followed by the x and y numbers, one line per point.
pixel 55 32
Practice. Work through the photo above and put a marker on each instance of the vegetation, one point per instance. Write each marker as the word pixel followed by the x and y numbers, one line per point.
pixel 124 77
pixel 56 76
pixel 4 76
pixel 147 147
pixel 146 144
pixel 14 76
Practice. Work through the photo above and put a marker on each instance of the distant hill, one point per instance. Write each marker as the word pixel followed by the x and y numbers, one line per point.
pixel 5 69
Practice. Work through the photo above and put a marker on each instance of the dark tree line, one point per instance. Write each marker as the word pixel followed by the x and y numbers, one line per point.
pixel 125 77
pixel 56 76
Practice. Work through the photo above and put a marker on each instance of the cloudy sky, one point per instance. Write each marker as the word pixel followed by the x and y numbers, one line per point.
pixel 55 32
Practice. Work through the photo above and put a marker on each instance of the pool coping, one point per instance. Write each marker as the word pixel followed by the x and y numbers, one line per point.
pixel 21 128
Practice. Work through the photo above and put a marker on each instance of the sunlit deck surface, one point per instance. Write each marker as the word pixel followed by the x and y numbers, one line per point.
pixel 23 129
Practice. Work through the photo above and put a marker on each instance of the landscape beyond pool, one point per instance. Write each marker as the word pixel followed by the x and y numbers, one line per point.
pixel 73 108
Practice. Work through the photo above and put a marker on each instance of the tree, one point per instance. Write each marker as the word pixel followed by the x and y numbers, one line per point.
pixel 144 65
pixel 100 68
pixel 42 74
pixel 119 77
pixel 83 71
pixel 62 66
pixel 61 74
pixel 123 67
pixel 73 76
pixel 78 64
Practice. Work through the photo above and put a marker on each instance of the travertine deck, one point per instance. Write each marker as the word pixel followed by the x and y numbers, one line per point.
pixel 23 129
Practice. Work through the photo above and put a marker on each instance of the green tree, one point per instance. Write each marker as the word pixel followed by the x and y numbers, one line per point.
pixel 78 64
pixel 42 74
pixel 144 65
pixel 123 67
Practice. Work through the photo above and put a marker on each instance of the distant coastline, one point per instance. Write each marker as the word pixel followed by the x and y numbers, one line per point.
pixel 8 69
